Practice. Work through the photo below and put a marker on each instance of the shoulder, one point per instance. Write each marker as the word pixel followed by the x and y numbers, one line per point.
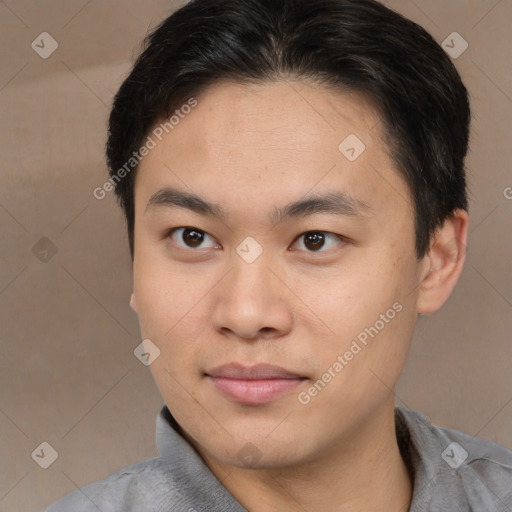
pixel 483 467
pixel 148 485
pixel 469 470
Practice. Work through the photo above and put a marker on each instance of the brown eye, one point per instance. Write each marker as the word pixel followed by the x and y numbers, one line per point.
pixel 190 238
pixel 317 241
pixel 314 241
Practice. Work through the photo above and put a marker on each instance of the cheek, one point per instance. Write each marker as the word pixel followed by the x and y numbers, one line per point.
pixel 157 303
pixel 366 299
pixel 164 293
pixel 353 292
pixel 172 311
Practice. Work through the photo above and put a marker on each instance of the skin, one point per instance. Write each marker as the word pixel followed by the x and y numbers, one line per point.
pixel 250 149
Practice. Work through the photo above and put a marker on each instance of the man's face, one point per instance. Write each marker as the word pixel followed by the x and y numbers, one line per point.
pixel 308 289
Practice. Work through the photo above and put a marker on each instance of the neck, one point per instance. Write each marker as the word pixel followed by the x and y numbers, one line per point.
pixel 362 472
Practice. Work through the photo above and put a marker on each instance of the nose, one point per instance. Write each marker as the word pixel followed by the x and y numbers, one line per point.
pixel 252 303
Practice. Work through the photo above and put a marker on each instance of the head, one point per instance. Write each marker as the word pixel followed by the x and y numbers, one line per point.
pixel 300 198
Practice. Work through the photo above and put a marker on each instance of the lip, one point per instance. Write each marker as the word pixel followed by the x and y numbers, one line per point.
pixel 253 385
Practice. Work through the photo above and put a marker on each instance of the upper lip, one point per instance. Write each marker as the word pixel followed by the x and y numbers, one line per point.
pixel 255 372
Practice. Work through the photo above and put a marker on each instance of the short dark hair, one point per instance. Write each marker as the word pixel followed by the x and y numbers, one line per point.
pixel 351 45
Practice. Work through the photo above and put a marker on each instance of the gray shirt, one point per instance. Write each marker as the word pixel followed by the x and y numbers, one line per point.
pixel 453 472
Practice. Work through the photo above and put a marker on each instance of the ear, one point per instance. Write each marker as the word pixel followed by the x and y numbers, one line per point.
pixel 443 263
pixel 133 303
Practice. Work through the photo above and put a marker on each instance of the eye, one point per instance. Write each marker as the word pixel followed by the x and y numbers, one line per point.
pixel 318 241
pixel 191 238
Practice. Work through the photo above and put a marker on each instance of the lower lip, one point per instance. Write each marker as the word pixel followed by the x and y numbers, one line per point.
pixel 254 392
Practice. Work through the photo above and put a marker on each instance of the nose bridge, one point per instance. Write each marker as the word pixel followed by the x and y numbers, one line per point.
pixel 251 300
pixel 250 260
pixel 250 280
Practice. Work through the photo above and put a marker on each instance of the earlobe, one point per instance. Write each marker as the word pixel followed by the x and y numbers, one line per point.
pixel 444 262
pixel 133 303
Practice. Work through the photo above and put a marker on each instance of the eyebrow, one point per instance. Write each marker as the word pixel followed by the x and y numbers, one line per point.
pixel 336 203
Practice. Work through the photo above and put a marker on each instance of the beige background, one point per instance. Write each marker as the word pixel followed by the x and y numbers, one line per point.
pixel 68 373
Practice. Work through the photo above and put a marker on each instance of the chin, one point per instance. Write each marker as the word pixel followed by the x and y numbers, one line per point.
pixel 257 452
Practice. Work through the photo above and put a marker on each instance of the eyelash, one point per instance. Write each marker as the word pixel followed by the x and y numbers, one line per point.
pixel 169 233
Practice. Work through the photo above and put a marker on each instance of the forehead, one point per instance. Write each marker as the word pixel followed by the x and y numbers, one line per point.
pixel 287 115
pixel 268 144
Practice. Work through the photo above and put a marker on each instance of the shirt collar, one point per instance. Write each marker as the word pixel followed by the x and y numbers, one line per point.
pixel 413 436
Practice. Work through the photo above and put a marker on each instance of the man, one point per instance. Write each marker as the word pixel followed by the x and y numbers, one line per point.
pixel 292 174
